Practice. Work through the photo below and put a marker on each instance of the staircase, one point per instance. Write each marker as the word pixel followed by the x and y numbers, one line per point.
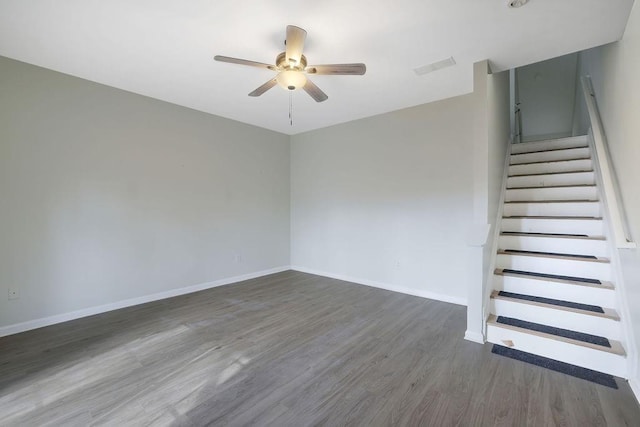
pixel 553 294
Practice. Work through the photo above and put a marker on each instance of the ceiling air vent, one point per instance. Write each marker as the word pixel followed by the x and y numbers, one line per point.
pixel 517 3
pixel 435 66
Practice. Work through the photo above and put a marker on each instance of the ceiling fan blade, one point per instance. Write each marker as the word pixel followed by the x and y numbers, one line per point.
pixel 265 87
pixel 294 43
pixel 314 91
pixel 244 62
pixel 338 69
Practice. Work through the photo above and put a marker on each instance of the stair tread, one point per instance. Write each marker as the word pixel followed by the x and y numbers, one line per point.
pixel 552 149
pixel 589 218
pixel 551 173
pixel 616 346
pixel 550 161
pixel 554 201
pixel 553 330
pixel 536 254
pixel 552 301
pixel 538 187
pixel 609 313
pixel 553 236
pixel 547 150
pixel 602 284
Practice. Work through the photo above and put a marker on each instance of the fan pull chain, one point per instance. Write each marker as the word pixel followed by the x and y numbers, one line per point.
pixel 291 107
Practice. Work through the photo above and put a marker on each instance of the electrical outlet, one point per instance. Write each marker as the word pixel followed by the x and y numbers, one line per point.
pixel 13 293
pixel 237 258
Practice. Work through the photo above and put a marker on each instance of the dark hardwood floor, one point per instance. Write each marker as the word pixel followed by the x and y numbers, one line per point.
pixel 290 349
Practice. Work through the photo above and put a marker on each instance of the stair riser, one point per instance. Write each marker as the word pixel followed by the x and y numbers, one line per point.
pixel 568 166
pixel 550 156
pixel 580 178
pixel 554 144
pixel 596 360
pixel 557 226
pixel 548 194
pixel 597 248
pixel 586 209
pixel 578 322
pixel 603 297
pixel 563 267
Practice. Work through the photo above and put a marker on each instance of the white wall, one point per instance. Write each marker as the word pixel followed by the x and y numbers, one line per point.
pixel 546 92
pixel 106 195
pixel 614 70
pixel 499 133
pixel 491 134
pixel 387 200
pixel 498 106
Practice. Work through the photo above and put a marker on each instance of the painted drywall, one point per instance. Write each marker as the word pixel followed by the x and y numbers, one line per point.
pixel 108 196
pixel 491 136
pixel 546 93
pixel 387 200
pixel 614 70
pixel 499 133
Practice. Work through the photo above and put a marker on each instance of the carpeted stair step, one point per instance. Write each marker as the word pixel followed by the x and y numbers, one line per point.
pixel 555 365
pixel 611 360
pixel 554 235
pixel 559 332
pixel 553 254
pixel 561 225
pixel 569 306
pixel 549 301
pixel 602 295
pixel 541 243
pixel 570 279
pixel 561 264
pixel 572 316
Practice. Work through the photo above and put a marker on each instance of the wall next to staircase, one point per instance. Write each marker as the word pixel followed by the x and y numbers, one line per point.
pixel 546 92
pixel 387 200
pixel 614 69
pixel 108 198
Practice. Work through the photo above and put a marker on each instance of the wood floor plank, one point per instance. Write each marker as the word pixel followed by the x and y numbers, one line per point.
pixel 290 349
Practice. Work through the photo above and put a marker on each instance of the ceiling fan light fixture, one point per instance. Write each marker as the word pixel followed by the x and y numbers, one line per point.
pixel 291 79
pixel 514 4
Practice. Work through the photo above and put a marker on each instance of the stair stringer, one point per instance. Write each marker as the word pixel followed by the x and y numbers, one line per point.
pixel 628 340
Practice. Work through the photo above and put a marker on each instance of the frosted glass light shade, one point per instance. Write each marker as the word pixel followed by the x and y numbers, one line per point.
pixel 291 79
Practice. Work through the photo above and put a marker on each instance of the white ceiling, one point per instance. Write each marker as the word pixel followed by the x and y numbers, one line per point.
pixel 164 48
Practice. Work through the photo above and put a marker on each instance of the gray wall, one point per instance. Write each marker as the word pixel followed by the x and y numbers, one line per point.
pixel 106 195
pixel 614 70
pixel 546 92
pixel 387 200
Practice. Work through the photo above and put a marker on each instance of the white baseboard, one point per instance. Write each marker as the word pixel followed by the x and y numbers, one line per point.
pixel 474 337
pixel 90 311
pixel 385 286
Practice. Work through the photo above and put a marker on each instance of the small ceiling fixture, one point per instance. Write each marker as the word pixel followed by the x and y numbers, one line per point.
pixel 292 69
pixel 517 3
pixel 430 68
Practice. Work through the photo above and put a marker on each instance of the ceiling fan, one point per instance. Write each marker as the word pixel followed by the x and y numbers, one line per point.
pixel 292 67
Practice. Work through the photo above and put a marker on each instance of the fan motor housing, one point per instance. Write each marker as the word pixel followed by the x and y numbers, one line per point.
pixel 283 63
